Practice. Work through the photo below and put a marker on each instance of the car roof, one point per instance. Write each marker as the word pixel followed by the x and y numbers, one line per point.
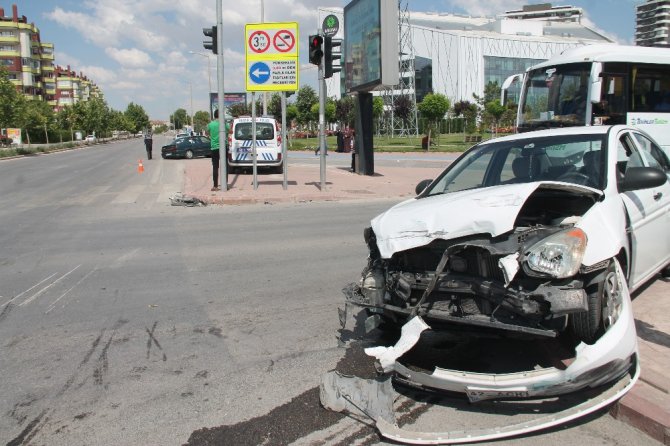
pixel 579 130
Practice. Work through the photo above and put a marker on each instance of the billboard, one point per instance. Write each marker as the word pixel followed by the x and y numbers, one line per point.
pixel 229 99
pixel 370 44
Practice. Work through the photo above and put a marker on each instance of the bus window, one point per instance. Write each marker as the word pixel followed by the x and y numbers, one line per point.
pixel 612 106
pixel 651 88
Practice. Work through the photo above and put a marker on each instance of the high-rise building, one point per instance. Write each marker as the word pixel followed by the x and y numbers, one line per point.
pixel 30 64
pixel 653 23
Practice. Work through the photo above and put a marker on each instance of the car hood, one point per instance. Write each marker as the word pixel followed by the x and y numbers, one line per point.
pixel 491 210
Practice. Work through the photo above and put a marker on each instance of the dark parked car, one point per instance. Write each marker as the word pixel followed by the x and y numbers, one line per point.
pixel 188 147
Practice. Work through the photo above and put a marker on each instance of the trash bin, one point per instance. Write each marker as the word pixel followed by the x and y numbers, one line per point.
pixel 347 144
pixel 424 142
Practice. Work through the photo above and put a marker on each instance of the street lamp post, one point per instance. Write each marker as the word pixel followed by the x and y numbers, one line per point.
pixel 209 67
pixel 190 84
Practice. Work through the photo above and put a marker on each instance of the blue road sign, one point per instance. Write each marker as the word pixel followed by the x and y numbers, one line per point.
pixel 259 73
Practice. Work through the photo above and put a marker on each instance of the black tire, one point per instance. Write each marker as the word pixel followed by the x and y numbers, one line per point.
pixel 604 302
pixel 278 169
pixel 189 154
pixel 665 272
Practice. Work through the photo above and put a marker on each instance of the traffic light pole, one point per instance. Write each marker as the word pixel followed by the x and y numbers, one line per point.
pixel 322 125
pixel 223 151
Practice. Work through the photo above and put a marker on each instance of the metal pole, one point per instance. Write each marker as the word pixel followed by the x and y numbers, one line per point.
pixel 283 138
pixel 221 103
pixel 322 125
pixel 190 85
pixel 265 95
pixel 209 67
pixel 253 138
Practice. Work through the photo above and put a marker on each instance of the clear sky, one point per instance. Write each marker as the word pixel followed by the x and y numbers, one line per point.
pixel 138 50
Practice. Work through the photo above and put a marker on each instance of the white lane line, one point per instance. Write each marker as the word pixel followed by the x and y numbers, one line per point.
pixel 28 290
pixel 53 304
pixel 36 295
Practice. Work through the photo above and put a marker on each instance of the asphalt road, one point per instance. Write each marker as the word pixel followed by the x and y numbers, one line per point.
pixel 124 320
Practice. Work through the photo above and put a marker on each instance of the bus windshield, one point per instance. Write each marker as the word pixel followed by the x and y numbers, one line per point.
pixel 555 96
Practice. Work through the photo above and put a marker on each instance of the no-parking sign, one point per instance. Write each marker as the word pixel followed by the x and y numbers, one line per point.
pixel 271 56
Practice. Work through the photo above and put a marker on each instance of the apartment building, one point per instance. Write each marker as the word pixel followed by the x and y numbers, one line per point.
pixel 72 87
pixel 30 64
pixel 652 26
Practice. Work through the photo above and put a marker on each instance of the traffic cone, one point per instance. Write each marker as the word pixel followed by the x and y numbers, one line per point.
pixel 140 166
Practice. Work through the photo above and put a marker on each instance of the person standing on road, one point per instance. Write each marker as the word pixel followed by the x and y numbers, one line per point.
pixel 213 133
pixel 148 142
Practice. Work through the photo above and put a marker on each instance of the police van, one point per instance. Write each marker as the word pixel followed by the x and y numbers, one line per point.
pixel 268 144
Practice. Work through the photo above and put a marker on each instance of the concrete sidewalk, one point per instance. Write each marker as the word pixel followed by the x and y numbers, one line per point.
pixel 646 406
pixel 304 183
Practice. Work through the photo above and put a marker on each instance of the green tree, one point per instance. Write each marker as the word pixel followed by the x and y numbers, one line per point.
pixel 433 107
pixel 345 111
pixel 239 109
pixel 274 106
pixel 11 102
pixel 305 99
pixel 493 112
pixel 200 120
pixel 36 118
pixel 180 119
pixel 138 117
pixel 469 111
pixel 377 111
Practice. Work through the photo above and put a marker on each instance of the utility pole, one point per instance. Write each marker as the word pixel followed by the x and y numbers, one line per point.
pixel 221 103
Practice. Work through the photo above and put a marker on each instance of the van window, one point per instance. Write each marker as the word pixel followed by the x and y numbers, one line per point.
pixel 264 131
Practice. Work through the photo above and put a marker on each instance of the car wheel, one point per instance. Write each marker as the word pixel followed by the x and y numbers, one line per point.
pixel 278 169
pixel 665 272
pixel 189 154
pixel 163 156
pixel 604 302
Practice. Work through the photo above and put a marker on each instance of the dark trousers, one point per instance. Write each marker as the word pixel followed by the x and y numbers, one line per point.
pixel 216 157
pixel 148 143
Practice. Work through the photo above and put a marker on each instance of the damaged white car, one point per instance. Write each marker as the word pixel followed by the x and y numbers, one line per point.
pixel 540 235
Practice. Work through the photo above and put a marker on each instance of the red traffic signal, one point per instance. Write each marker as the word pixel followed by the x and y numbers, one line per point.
pixel 315 49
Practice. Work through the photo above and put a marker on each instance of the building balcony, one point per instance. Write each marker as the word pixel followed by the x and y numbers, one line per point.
pixel 12 53
pixel 9 39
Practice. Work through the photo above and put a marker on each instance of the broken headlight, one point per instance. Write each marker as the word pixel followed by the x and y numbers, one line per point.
pixel 559 255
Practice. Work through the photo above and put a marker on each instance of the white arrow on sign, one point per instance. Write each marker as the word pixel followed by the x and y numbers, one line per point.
pixel 257 72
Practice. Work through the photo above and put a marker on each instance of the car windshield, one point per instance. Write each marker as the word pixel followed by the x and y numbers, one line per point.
pixel 576 159
pixel 264 131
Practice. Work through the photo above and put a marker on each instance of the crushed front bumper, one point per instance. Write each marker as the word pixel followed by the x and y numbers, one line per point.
pixel 612 358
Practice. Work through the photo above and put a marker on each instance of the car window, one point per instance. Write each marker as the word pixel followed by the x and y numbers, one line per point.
pixel 576 159
pixel 264 131
pixel 653 154
pixel 627 156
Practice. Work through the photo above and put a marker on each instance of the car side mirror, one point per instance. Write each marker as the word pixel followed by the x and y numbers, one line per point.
pixel 642 178
pixel 422 186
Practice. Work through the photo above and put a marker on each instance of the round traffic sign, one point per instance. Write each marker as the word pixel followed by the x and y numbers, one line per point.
pixel 284 40
pixel 259 41
pixel 259 73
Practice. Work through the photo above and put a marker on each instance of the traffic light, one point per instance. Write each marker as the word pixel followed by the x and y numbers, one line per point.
pixel 315 49
pixel 213 45
pixel 332 52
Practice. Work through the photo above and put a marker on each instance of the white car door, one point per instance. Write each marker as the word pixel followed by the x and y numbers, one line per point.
pixel 648 211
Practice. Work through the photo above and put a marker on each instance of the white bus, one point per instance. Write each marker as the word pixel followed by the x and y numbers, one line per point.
pixel 597 85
